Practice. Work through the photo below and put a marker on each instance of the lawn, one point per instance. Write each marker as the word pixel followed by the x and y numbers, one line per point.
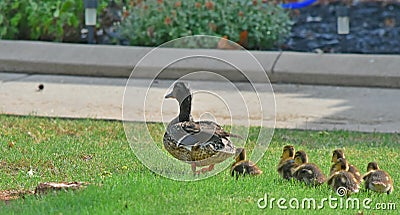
pixel 97 152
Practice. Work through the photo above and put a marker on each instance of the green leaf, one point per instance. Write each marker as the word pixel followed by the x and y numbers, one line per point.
pixel 3 32
pixel 15 5
pixel 66 6
pixel 56 13
pixel 15 19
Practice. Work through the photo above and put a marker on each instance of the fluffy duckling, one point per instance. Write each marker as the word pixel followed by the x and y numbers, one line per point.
pixel 341 177
pixel 377 180
pixel 286 164
pixel 338 153
pixel 242 166
pixel 309 173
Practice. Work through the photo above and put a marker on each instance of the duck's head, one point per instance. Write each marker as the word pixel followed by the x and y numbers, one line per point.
pixel 341 164
pixel 288 152
pixel 300 157
pixel 180 92
pixel 337 153
pixel 372 166
pixel 240 154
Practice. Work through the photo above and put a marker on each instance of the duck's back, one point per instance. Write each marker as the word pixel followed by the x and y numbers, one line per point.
pixel 379 181
pixel 343 179
pixel 197 141
pixel 310 174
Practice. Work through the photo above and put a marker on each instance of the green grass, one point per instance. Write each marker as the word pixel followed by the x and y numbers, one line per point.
pixel 57 150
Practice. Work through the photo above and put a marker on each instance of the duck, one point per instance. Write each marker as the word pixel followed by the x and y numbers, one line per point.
pixel 342 178
pixel 201 143
pixel 306 172
pixel 242 166
pixel 377 180
pixel 338 153
pixel 286 163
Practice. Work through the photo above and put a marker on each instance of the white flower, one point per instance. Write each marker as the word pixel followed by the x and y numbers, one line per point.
pixel 30 172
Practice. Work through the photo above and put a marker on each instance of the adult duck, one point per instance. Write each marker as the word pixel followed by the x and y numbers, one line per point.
pixel 202 143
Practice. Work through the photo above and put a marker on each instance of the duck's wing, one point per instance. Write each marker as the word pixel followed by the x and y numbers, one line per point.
pixel 204 127
pixel 216 129
pixel 189 134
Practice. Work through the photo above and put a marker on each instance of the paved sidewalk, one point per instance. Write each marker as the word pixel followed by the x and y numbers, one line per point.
pixel 118 61
pixel 297 106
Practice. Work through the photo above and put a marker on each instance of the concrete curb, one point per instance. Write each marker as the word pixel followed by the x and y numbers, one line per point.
pixel 119 61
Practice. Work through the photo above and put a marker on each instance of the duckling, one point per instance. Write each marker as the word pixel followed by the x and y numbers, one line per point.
pixel 286 164
pixel 338 153
pixel 242 166
pixel 377 180
pixel 202 143
pixel 341 177
pixel 309 173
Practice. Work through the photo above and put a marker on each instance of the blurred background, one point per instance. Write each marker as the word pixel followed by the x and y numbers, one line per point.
pixel 293 25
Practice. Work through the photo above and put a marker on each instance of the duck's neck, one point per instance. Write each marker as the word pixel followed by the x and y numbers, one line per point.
pixel 185 108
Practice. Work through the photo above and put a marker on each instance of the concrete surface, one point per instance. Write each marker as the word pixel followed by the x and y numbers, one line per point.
pixel 118 61
pixel 297 106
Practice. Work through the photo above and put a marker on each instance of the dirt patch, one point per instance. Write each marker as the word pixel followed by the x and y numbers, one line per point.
pixel 46 187
pixel 7 195
pixel 42 188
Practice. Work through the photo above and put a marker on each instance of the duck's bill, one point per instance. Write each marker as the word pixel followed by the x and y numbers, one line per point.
pixel 169 95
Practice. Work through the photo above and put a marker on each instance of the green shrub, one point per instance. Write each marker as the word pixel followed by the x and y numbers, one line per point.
pixel 9 18
pixel 255 24
pixel 50 20
pixel 40 20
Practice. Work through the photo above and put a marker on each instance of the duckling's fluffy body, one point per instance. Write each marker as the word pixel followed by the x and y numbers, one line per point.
pixel 338 153
pixel 308 173
pixel 341 177
pixel 286 163
pixel 377 180
pixel 244 167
